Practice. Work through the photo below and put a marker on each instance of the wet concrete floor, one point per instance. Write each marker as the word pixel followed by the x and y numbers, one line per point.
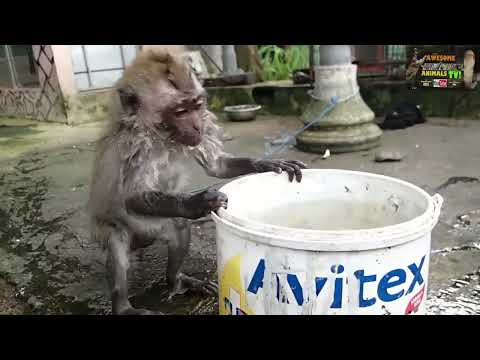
pixel 48 264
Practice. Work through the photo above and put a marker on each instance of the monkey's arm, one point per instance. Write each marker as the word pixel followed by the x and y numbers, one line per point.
pixel 219 164
pixel 229 167
pixel 155 203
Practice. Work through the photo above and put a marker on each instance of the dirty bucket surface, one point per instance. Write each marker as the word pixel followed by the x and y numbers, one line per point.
pixel 339 242
pixel 333 214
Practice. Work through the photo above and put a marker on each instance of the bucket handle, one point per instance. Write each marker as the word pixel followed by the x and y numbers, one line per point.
pixel 437 206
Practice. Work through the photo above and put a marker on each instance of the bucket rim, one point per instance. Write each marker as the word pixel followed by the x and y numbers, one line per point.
pixel 305 244
pixel 338 240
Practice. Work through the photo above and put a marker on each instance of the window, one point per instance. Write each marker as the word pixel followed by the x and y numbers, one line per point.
pixel 379 60
pixel 5 76
pixel 17 66
pixel 369 58
pixel 100 66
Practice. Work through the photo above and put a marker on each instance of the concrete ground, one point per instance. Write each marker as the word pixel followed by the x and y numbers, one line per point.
pixel 48 264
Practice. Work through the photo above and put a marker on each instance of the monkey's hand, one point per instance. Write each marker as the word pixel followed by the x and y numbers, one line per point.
pixel 292 167
pixel 203 203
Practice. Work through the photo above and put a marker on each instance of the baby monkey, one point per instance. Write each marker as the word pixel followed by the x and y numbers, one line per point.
pixel 159 122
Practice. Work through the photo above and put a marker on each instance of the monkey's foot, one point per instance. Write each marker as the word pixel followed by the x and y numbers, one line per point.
pixel 133 311
pixel 185 283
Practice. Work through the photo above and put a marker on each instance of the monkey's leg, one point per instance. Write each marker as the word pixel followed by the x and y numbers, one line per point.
pixel 117 268
pixel 178 247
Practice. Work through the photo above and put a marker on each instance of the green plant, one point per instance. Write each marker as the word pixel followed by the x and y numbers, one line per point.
pixel 279 63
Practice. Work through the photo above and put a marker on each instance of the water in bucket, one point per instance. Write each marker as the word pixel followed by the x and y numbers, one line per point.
pixel 339 242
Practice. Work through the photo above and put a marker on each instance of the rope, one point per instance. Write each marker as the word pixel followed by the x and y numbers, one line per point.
pixel 210 58
pixel 289 139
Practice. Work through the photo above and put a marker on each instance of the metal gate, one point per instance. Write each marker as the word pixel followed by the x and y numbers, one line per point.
pixel 39 96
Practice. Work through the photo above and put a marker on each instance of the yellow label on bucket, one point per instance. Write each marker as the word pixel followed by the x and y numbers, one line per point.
pixel 232 299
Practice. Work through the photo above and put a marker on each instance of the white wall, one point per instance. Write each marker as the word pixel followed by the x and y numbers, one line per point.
pixel 100 66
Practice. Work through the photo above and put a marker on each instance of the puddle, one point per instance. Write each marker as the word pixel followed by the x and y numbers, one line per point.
pixel 462 297
pixel 156 298
pixel 45 250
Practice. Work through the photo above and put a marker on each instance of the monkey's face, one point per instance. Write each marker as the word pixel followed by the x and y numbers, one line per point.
pixel 179 114
pixel 185 120
pixel 160 91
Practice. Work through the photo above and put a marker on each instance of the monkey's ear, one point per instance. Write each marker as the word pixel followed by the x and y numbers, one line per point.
pixel 129 101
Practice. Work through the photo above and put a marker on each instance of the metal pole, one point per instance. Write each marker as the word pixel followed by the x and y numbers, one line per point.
pixel 84 51
pixel 335 55
pixel 122 55
pixel 311 49
pixel 229 59
pixel 11 66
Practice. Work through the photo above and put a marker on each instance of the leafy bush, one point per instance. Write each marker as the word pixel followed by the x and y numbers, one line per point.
pixel 279 63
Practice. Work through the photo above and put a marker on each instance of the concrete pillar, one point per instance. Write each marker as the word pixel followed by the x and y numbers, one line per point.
pixel 349 126
pixel 316 55
pixel 64 66
pixel 335 55
pixel 230 66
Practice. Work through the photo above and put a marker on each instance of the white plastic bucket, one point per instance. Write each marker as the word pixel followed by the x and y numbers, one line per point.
pixel 339 242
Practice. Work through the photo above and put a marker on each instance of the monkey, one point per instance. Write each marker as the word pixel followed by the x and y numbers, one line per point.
pixel 468 70
pixel 412 70
pixel 402 116
pixel 160 121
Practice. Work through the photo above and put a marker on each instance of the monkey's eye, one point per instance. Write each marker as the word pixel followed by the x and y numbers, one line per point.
pixel 180 111
pixel 171 80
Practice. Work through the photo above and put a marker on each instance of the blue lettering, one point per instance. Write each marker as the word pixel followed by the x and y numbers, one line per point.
pixel 337 293
pixel 257 279
pixel 364 279
pixel 278 287
pixel 390 280
pixel 417 276
pixel 337 269
pixel 386 284
pixel 296 288
pixel 228 305
pixel 319 284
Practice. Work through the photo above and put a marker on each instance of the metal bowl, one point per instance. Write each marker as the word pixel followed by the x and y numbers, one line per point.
pixel 242 112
